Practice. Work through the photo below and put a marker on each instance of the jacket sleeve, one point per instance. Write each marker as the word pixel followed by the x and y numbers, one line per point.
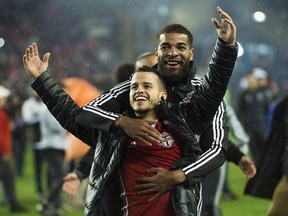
pixel 209 100
pixel 213 143
pixel 233 153
pixel 210 93
pixel 63 108
pixel 101 112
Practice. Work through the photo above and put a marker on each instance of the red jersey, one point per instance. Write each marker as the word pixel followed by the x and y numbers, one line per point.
pixel 135 162
pixel 5 134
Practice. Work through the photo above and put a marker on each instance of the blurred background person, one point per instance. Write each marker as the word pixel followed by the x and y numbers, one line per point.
pixel 252 112
pixel 52 145
pixel 31 114
pixel 122 72
pixel 238 137
pixel 216 183
pixel 6 171
pixel 18 133
pixel 271 181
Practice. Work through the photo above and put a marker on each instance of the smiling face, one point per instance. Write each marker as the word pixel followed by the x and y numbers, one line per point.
pixel 174 55
pixel 146 90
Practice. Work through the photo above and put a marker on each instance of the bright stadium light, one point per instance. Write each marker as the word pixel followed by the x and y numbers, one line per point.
pixel 259 17
pixel 2 42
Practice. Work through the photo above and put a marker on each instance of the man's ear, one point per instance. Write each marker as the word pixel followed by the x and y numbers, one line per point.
pixel 191 54
pixel 163 95
pixel 156 51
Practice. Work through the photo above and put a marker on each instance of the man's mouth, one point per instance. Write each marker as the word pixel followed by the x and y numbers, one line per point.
pixel 172 62
pixel 140 98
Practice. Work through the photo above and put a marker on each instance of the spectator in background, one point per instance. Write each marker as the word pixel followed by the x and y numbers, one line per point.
pixel 6 172
pixel 252 112
pixel 122 72
pixel 271 181
pixel 238 137
pixel 215 183
pixel 268 91
pixel 52 147
pixel 31 113
pixel 147 58
pixel 18 133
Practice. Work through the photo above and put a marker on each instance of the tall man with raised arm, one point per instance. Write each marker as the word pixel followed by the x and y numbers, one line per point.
pixel 175 55
pixel 175 62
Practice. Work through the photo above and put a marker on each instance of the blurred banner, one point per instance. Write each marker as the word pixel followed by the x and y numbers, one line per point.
pixel 82 92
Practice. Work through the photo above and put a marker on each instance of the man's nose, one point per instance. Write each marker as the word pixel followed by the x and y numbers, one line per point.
pixel 140 89
pixel 172 51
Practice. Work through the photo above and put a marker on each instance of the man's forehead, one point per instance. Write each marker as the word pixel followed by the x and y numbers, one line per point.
pixel 144 77
pixel 175 37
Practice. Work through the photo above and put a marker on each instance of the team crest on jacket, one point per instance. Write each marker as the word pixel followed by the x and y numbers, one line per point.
pixel 168 140
pixel 188 97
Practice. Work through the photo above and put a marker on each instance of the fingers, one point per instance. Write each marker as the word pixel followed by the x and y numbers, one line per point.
pixel 46 57
pixel 223 14
pixel 25 61
pixel 142 141
pixel 148 136
pixel 31 51
pixel 141 181
pixel 143 187
pixel 154 197
pixel 68 189
pixel 215 22
pixel 153 133
pixel 35 49
pixel 229 21
pixel 154 169
pixel 146 191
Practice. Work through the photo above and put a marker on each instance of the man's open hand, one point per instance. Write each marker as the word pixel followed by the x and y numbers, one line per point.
pixel 163 180
pixel 140 130
pixel 32 62
pixel 227 29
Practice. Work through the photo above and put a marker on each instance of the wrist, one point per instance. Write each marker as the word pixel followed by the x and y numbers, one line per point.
pixel 118 121
pixel 180 176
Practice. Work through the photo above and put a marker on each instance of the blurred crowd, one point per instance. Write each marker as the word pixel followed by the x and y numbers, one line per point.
pixel 254 98
pixel 79 56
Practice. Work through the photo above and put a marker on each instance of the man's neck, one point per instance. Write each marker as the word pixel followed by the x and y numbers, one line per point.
pixel 150 116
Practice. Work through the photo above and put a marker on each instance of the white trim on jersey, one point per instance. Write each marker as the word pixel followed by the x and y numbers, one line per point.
pixel 218 135
pixel 93 106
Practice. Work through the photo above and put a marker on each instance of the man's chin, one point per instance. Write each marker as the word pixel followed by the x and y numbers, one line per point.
pixel 140 111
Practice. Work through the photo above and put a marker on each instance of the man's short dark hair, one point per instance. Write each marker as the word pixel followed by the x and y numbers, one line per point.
pixel 176 28
pixel 146 68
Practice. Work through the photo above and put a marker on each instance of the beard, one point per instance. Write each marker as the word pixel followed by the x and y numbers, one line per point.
pixel 171 75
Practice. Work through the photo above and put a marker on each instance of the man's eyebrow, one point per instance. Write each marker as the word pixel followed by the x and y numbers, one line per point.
pixel 182 43
pixel 146 83
pixel 179 43
pixel 134 83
